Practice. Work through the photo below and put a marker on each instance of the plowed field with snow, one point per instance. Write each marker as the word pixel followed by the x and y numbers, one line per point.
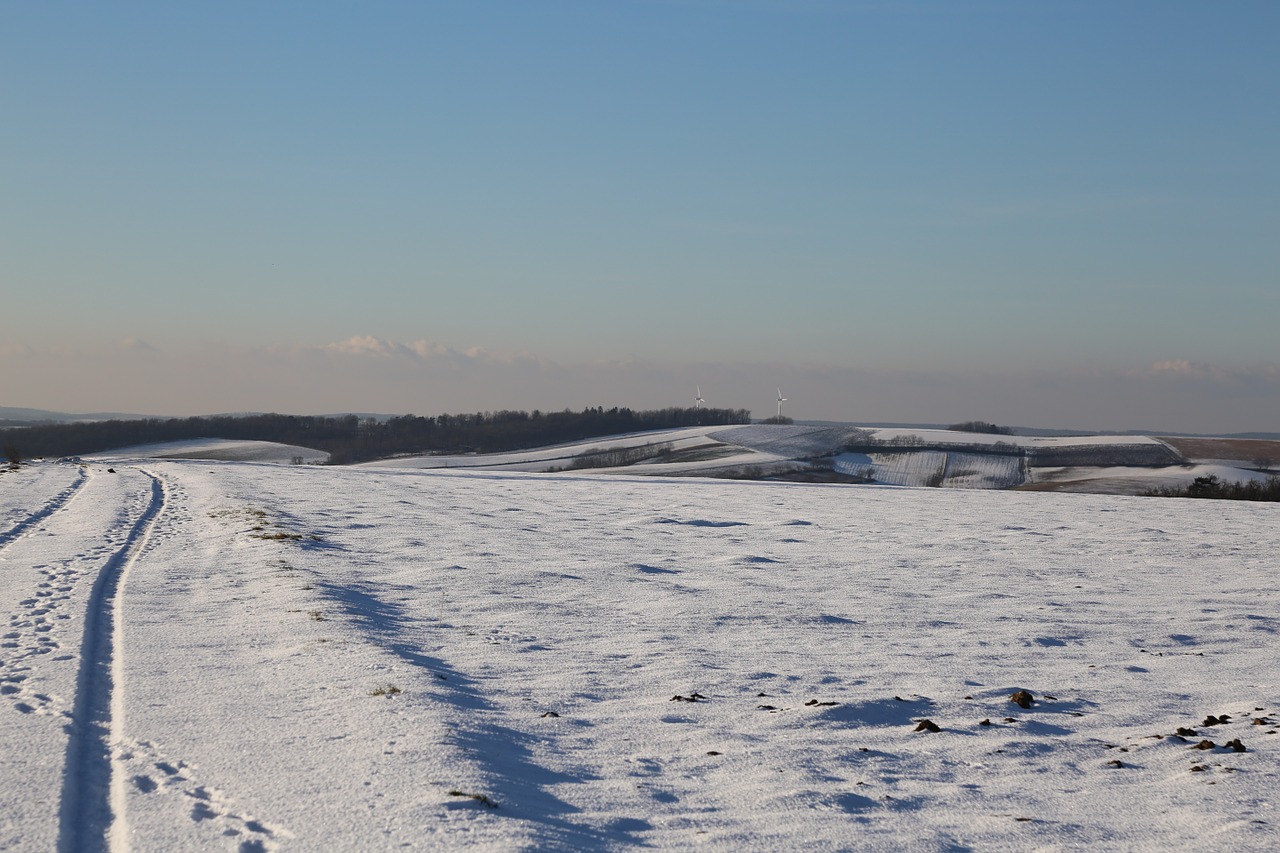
pixel 203 655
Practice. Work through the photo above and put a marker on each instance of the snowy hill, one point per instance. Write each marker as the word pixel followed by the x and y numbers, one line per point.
pixel 226 450
pixel 1120 464
pixel 1101 464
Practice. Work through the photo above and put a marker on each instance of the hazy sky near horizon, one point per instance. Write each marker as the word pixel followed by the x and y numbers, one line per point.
pixel 1047 214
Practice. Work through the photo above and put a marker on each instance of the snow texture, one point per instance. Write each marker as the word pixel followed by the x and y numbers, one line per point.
pixel 214 655
pixel 935 468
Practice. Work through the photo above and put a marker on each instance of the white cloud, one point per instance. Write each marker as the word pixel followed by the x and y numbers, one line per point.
pixel 365 345
pixel 1184 369
pixel 430 351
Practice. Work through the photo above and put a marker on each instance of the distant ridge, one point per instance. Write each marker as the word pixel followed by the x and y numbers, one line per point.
pixel 22 415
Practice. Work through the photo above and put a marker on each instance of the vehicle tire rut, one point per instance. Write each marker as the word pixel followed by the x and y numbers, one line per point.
pixel 104 765
pixel 91 816
pixel 57 502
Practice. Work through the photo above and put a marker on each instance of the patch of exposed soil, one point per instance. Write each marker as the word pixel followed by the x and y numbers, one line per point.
pixel 1248 450
pixel 1095 486
pixel 703 453
pixel 821 475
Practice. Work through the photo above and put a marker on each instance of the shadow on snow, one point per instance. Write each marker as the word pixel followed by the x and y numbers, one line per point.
pixel 501 750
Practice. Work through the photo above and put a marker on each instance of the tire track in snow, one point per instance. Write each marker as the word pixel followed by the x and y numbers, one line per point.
pixel 104 766
pixel 57 502
pixel 92 800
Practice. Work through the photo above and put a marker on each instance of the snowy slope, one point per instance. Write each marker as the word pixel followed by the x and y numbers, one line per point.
pixel 542 459
pixel 1130 465
pixel 898 456
pixel 935 468
pixel 238 656
pixel 227 450
pixel 1134 481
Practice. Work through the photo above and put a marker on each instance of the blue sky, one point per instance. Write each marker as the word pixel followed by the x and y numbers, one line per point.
pixel 1013 199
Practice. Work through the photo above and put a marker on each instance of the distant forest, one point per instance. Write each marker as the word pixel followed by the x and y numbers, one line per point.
pixel 1212 487
pixel 352 439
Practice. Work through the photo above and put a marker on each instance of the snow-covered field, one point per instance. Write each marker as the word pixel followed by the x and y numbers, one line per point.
pixel 226 450
pixel 933 468
pixel 216 655
pixel 920 457
pixel 1102 464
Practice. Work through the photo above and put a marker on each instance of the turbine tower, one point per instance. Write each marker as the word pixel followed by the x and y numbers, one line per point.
pixel 781 400
pixel 698 401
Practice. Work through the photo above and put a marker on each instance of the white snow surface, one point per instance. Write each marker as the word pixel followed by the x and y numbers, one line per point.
pixel 910 457
pixel 543 459
pixel 238 656
pixel 1120 479
pixel 935 468
pixel 946 436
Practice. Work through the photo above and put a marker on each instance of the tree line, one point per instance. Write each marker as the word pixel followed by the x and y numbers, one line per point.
pixel 982 427
pixel 349 438
pixel 1211 487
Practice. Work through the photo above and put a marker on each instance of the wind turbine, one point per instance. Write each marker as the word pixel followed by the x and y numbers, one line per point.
pixel 698 401
pixel 781 400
